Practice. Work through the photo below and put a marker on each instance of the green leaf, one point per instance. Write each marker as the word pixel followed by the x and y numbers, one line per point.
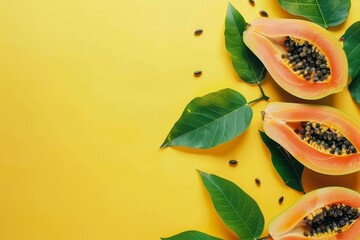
pixel 352 50
pixel 289 169
pixel 326 13
pixel 246 64
pixel 191 235
pixel 237 209
pixel 211 120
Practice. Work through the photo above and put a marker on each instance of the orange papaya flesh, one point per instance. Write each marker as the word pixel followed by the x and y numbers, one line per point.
pixel 303 58
pixel 325 213
pixel 322 138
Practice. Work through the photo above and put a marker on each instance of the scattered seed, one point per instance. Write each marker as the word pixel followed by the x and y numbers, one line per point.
pixel 257 181
pixel 198 32
pixel 252 2
pixel 281 199
pixel 233 163
pixel 197 73
pixel 263 13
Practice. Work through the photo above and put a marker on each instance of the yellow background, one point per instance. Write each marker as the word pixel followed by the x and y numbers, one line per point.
pixel 89 90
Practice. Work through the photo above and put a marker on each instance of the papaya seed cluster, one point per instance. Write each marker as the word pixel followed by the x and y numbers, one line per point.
pixel 325 138
pixel 306 60
pixel 330 219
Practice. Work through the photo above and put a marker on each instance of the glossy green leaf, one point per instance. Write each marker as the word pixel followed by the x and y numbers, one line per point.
pixel 191 235
pixel 326 13
pixel 246 64
pixel 289 169
pixel 237 209
pixel 352 50
pixel 211 120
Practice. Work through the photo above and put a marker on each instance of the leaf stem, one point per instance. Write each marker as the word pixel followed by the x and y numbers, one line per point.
pixel 263 96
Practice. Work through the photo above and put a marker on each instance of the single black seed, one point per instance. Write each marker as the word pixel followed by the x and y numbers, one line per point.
pixel 263 13
pixel 198 32
pixel 302 54
pixel 197 73
pixel 335 136
pixel 257 181
pixel 252 2
pixel 341 38
pixel 296 131
pixel 281 199
pixel 233 163
pixel 306 234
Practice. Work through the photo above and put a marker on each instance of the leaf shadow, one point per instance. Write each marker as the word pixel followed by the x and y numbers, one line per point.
pixel 338 27
pixel 357 105
pixel 313 180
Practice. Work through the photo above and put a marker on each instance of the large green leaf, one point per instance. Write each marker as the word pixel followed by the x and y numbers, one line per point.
pixel 211 120
pixel 326 13
pixel 237 209
pixel 191 235
pixel 289 169
pixel 246 64
pixel 352 50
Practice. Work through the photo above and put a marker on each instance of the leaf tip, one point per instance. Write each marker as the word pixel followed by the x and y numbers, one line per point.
pixel 165 144
pixel 201 173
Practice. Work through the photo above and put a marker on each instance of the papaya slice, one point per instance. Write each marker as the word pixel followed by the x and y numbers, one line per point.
pixel 322 138
pixel 303 58
pixel 325 213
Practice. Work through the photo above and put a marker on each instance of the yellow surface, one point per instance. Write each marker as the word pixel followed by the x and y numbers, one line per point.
pixel 88 92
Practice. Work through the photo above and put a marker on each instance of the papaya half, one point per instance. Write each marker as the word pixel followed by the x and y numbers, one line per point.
pixel 303 58
pixel 322 138
pixel 330 213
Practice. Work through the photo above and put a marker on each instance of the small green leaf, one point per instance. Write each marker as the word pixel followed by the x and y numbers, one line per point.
pixel 246 64
pixel 211 120
pixel 289 169
pixel 326 13
pixel 237 209
pixel 352 50
pixel 191 235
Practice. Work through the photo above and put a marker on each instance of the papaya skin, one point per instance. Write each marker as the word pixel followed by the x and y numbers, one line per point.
pixel 286 225
pixel 265 37
pixel 277 120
